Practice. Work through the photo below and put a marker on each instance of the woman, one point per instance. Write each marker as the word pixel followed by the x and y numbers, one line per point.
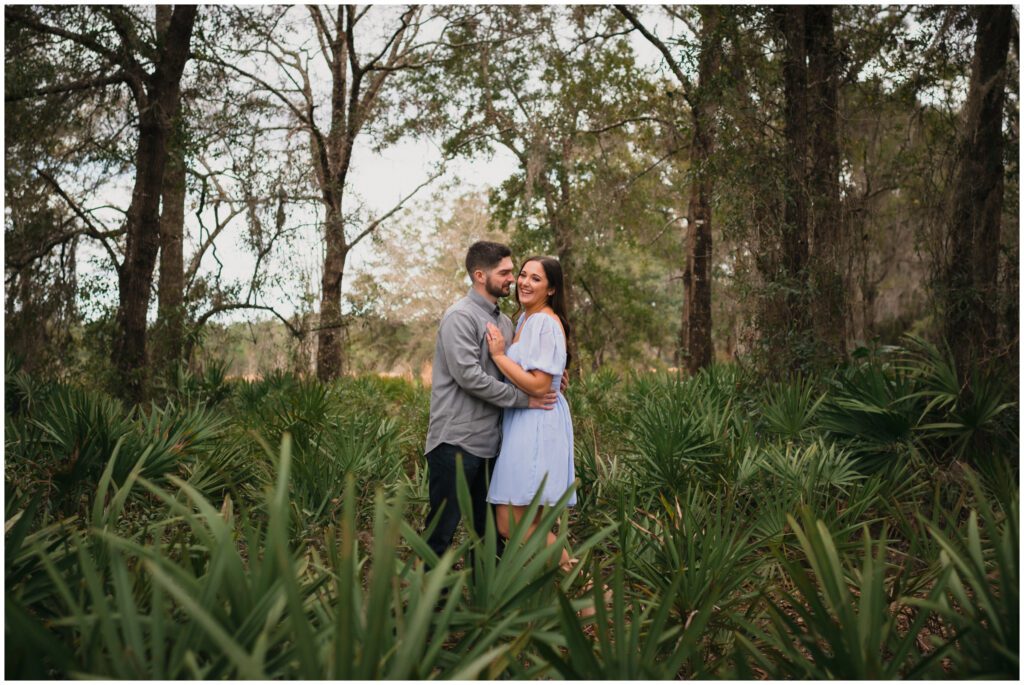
pixel 535 444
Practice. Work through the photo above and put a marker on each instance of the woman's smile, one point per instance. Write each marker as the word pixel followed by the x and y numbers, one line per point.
pixel 532 284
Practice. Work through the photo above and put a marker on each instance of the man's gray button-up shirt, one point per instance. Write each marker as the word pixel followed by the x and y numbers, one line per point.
pixel 468 391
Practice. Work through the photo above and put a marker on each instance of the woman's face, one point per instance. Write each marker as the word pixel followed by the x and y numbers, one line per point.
pixel 532 286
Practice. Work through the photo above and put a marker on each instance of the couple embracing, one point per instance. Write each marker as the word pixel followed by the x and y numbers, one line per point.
pixel 496 398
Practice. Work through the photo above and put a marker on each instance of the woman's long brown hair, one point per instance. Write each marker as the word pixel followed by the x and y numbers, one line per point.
pixel 553 270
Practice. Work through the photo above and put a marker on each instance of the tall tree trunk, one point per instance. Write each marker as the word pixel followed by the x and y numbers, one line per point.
pixel 828 301
pixel 158 107
pixel 562 227
pixel 355 89
pixel 792 317
pixel 970 288
pixel 329 336
pixel 168 342
pixel 695 334
pixel 566 257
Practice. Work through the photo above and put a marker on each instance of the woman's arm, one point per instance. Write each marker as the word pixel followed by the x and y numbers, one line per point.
pixel 535 383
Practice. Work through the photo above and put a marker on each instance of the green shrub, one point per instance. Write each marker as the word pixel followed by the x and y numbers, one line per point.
pixel 818 527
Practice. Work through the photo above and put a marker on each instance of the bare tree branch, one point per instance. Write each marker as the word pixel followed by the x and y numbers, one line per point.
pixel 395 39
pixel 221 308
pixel 276 92
pixel 653 166
pixel 19 263
pixel 125 29
pixel 305 118
pixel 619 124
pixel 219 226
pixel 72 87
pixel 377 222
pixel 350 41
pixel 662 48
pixel 91 231
pixel 322 34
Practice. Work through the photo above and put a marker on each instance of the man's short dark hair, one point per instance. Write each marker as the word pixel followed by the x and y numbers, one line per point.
pixel 485 255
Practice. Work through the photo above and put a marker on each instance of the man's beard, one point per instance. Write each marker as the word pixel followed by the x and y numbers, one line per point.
pixel 496 290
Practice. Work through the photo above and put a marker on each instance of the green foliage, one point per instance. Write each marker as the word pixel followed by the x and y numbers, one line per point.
pixel 982 600
pixel 723 527
pixel 973 423
pixel 79 429
pixel 840 624
pixel 635 641
pixel 790 408
pixel 698 549
pixel 872 410
pixel 210 386
pixel 675 430
pixel 170 437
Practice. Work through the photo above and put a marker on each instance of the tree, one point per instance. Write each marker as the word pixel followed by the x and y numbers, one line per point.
pixel 811 306
pixel 155 92
pixel 695 329
pixel 970 293
pixel 791 23
pixel 168 336
pixel 561 94
pixel 43 233
pixel 827 239
pixel 360 78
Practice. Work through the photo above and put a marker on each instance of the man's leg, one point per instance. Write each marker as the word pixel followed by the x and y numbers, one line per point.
pixel 441 478
pixel 478 489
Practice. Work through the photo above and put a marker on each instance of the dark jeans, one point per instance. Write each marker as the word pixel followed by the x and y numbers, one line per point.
pixel 442 482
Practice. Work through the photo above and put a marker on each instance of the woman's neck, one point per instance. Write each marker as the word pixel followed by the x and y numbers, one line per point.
pixel 530 311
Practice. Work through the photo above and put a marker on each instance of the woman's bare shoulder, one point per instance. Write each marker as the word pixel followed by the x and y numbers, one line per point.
pixel 551 312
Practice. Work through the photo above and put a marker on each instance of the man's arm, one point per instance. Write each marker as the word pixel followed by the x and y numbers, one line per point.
pixel 461 352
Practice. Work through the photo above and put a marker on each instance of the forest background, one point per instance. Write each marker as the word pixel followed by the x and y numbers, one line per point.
pixel 772 186
pixel 791 242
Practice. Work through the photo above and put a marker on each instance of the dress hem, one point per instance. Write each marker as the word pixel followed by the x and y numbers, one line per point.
pixel 528 503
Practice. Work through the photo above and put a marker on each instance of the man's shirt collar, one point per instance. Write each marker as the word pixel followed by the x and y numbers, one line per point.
pixel 483 303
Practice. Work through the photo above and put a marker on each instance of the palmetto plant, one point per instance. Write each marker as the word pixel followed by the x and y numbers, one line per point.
pixel 789 408
pixel 194 601
pixel 872 410
pixel 776 480
pixel 673 444
pixel 186 547
pixel 635 640
pixel 698 547
pixel 974 423
pixel 78 432
pixel 603 478
pixel 839 622
pixel 25 579
pixel 170 436
pixel 21 390
pixel 982 597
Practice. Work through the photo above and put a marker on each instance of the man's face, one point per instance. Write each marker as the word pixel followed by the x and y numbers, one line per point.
pixel 498 280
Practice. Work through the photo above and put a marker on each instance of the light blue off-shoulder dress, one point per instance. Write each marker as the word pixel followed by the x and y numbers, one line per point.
pixel 536 442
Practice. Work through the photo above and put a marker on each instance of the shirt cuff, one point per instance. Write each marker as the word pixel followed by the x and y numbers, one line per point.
pixel 522 399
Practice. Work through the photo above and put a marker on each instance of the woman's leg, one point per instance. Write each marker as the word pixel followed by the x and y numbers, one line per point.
pixel 501 521
pixel 505 514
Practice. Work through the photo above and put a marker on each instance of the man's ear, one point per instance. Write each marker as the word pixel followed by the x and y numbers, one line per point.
pixel 479 272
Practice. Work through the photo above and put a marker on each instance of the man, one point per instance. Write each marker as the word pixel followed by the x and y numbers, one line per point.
pixel 468 393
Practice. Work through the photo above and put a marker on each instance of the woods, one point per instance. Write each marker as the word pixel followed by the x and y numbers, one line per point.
pixel 790 242
pixel 735 171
